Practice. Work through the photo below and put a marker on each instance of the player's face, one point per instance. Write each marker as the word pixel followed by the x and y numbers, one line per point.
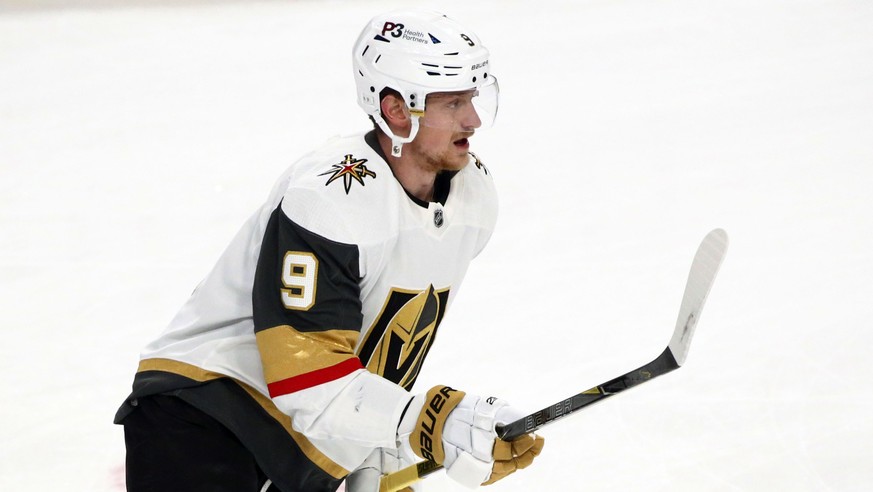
pixel 449 121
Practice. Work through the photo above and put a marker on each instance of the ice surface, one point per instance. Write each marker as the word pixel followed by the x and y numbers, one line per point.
pixel 135 140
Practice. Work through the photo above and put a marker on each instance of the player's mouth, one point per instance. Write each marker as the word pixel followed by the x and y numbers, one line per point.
pixel 462 143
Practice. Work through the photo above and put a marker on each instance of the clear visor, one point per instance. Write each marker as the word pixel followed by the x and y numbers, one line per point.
pixel 462 111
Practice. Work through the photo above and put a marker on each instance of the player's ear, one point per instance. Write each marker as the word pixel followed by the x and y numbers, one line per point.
pixel 395 112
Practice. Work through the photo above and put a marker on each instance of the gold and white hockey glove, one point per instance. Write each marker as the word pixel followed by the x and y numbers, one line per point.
pixel 381 461
pixel 458 431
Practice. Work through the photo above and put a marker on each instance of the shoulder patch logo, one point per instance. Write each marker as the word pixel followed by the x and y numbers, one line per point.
pixel 349 169
pixel 478 163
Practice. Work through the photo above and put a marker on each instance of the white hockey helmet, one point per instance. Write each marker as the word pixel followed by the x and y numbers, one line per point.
pixel 416 53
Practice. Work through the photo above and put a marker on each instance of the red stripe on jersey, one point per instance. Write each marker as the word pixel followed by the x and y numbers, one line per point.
pixel 314 378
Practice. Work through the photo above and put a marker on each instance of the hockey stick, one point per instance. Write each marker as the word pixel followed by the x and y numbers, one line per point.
pixel 704 267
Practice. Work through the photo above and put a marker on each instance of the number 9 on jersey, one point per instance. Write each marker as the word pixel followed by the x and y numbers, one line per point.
pixel 299 271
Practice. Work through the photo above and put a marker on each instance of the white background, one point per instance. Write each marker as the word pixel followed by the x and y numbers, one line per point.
pixel 134 141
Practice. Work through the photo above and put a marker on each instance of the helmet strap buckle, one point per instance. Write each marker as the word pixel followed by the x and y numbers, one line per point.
pixel 397 141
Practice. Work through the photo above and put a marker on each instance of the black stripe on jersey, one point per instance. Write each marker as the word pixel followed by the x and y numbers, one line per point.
pixel 275 450
pixel 152 383
pixel 225 400
pixel 337 302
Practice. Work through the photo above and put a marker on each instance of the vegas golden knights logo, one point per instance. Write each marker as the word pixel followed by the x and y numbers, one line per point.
pixel 401 336
pixel 349 169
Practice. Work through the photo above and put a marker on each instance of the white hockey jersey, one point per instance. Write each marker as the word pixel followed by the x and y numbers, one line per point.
pixel 308 332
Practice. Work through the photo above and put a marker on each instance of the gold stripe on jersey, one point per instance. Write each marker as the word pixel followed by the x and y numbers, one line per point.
pixel 287 353
pixel 202 375
pixel 180 368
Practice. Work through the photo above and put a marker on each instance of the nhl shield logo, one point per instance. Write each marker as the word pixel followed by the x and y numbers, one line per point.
pixel 438 217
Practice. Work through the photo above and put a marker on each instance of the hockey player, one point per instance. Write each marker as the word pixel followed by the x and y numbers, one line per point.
pixel 290 366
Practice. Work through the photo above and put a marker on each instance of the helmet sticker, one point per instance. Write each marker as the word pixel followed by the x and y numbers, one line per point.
pixel 395 29
pixel 399 31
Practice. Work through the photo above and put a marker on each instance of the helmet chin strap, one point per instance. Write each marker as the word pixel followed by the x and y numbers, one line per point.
pixel 396 141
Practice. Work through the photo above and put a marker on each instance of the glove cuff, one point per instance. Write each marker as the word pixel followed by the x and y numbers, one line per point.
pixel 426 439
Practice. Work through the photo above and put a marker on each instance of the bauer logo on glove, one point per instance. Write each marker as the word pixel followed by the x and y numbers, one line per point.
pixel 458 431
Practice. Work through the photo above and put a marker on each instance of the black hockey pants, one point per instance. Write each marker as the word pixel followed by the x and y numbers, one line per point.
pixel 174 447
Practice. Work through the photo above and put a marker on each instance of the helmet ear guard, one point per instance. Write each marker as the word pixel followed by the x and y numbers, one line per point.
pixel 416 53
pixel 379 119
pixel 396 140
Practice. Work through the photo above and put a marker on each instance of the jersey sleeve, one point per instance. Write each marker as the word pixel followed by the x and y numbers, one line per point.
pixel 307 317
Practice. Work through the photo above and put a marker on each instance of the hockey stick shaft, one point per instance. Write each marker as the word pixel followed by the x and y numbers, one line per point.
pixel 662 365
pixel 704 267
pixel 533 422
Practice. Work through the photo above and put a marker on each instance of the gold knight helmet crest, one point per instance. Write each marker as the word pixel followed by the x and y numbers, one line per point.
pixel 401 336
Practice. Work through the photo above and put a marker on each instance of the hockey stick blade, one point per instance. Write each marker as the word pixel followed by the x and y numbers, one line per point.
pixel 704 267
